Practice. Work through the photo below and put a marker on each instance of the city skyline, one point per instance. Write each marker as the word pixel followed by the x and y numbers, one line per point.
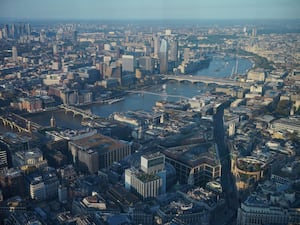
pixel 150 121
pixel 156 9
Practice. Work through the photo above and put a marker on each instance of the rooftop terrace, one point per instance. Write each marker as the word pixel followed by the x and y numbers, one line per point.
pixel 144 177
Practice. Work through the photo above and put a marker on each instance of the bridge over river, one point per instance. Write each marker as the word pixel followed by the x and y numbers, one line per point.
pixel 142 92
pixel 78 111
pixel 203 79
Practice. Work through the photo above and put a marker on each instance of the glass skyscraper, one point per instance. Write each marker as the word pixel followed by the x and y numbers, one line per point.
pixel 163 56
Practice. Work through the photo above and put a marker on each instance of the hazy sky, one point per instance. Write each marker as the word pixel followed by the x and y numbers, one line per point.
pixel 150 9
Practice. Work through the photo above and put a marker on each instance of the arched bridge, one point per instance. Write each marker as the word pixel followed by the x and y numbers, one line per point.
pixel 77 111
pixel 13 125
pixel 203 79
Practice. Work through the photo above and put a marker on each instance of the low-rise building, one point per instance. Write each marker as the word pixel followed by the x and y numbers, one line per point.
pixel 181 209
pixel 247 170
pixel 32 157
pixel 287 124
pixel 256 210
pixel 194 164
pixel 97 151
pixel 256 75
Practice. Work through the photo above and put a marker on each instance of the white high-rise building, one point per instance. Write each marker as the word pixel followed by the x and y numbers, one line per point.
pixel 150 180
pixel 163 57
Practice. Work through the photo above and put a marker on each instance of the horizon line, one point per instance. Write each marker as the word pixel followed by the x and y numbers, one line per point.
pixel 148 19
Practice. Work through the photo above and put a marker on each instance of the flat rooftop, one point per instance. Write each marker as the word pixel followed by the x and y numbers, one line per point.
pixel 144 177
pixel 99 142
pixel 295 122
pixel 194 155
pixel 152 155
pixel 256 201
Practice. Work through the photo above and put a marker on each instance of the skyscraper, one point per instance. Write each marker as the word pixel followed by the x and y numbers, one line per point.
pixel 145 63
pixel 186 54
pixel 128 63
pixel 156 46
pixel 13 31
pixel 163 56
pixel 14 54
pixel 5 31
pixel 74 36
pixel 174 51
pixel 28 29
pixel 55 49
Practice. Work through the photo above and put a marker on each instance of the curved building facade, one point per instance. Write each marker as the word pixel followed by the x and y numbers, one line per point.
pixel 163 57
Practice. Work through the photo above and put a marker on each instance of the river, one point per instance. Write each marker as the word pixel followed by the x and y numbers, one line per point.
pixel 219 67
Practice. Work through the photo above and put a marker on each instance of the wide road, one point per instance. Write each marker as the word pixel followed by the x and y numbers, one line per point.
pixel 227 215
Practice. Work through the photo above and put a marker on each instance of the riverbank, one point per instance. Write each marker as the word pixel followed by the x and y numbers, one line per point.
pixel 135 101
pixel 258 61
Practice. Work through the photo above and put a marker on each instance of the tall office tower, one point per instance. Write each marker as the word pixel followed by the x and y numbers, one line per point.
pixel 163 57
pixel 128 63
pixel 74 36
pixel 147 50
pixel 254 32
pixel 4 34
pixel 21 29
pixel 186 54
pixel 117 52
pixel 145 63
pixel 14 54
pixel 42 36
pixel 13 31
pixel 55 49
pixel 5 31
pixel 28 29
pixel 156 46
pixel 174 51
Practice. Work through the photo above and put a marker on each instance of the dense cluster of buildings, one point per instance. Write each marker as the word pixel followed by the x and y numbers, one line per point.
pixel 230 155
